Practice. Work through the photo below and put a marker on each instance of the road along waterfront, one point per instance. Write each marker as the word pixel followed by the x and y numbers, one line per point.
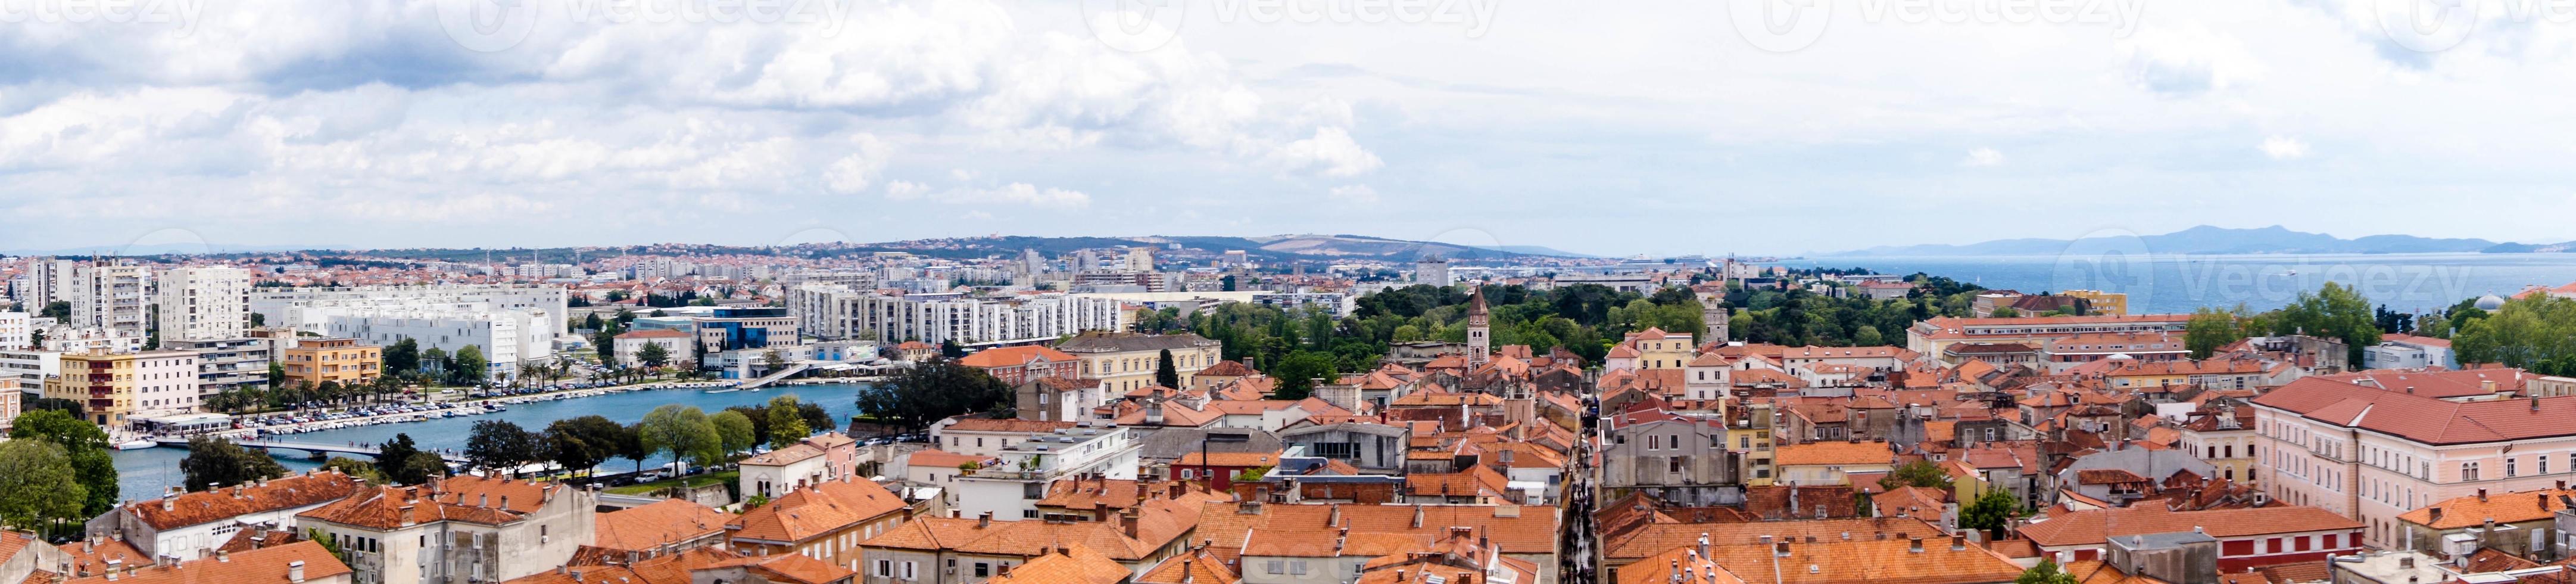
pixel 147 473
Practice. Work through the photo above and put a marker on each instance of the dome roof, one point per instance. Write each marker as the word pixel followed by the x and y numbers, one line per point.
pixel 2490 302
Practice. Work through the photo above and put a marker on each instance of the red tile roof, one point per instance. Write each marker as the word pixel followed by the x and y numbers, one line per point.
pixel 226 503
pixel 815 511
pixel 650 527
pixel 250 567
pixel 2075 528
pixel 1014 356
pixel 2421 418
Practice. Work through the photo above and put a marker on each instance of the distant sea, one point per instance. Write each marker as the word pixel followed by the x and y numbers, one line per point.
pixel 2159 283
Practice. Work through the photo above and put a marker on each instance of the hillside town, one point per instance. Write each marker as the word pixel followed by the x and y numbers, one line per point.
pixel 1155 412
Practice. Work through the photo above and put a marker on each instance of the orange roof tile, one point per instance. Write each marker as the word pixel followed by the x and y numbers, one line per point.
pixel 226 503
pixel 1835 453
pixel 815 511
pixel 650 527
pixel 260 565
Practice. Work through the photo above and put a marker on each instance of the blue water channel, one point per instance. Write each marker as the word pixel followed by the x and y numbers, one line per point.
pixel 149 472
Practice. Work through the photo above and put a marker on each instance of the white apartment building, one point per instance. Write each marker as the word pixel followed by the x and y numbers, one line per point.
pixel 165 382
pixel 1037 459
pixel 41 284
pixel 840 313
pixel 204 304
pixel 28 368
pixel 111 298
pixel 16 331
pixel 507 337
pixel 511 323
pixel 272 302
pixel 70 339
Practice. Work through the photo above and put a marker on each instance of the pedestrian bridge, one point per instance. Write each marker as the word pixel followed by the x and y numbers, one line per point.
pixel 367 450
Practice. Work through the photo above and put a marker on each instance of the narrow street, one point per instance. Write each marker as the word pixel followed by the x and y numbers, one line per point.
pixel 1575 535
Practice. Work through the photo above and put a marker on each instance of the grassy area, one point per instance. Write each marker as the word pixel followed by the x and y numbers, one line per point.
pixel 662 486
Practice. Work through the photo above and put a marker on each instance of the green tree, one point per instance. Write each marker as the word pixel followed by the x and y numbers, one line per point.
pixel 2046 572
pixel 630 445
pixel 1992 512
pixel 1920 473
pixel 84 445
pixel 2004 312
pixel 470 367
pixel 2209 329
pixel 580 444
pixel 499 445
pixel 393 457
pixel 682 431
pixel 734 431
pixel 39 491
pixel 1298 373
pixel 2536 333
pixel 57 310
pixel 356 468
pixel 2333 311
pixel 654 356
pixel 785 426
pixel 930 391
pixel 1164 373
pixel 276 374
pixel 217 462
pixel 402 357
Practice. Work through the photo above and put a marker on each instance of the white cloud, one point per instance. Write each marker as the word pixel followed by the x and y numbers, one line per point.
pixel 322 121
pixel 852 173
pixel 905 191
pixel 2284 148
pixel 1354 194
pixel 1331 152
pixel 1019 194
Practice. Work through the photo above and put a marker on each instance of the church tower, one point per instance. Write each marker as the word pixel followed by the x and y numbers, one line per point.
pixel 1480 336
pixel 1713 313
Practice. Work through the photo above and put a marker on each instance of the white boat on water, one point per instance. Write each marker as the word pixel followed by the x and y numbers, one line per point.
pixel 724 390
pixel 137 445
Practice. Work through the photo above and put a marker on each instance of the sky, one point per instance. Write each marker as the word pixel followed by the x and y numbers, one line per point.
pixel 1612 128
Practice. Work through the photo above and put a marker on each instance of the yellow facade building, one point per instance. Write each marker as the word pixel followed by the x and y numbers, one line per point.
pixel 313 361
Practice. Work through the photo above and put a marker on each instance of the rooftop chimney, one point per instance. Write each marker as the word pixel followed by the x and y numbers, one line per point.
pixel 984 520
pixel 1780 549
pixel 1958 543
pixel 295 571
pixel 1914 544
pixel 2482 495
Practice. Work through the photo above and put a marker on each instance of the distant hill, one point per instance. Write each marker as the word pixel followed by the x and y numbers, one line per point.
pixel 2207 240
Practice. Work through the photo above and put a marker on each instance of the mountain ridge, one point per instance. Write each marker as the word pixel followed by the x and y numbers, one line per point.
pixel 2210 240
